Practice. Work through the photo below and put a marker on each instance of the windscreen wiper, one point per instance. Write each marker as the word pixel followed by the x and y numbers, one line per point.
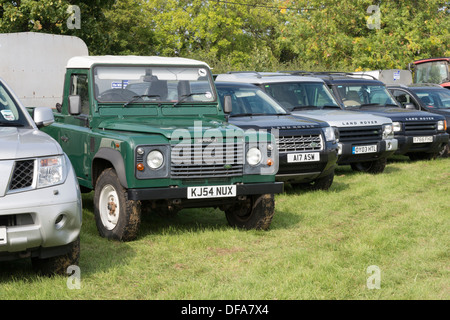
pixel 11 124
pixel 369 105
pixel 185 96
pixel 141 96
pixel 249 114
pixel 331 106
pixel 303 107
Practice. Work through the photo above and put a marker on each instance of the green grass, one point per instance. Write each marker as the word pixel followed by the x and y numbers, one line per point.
pixel 318 247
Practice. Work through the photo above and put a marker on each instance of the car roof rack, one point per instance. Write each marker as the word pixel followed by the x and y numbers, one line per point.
pixel 330 74
pixel 255 72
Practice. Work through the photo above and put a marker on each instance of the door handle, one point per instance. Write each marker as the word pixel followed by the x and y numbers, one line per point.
pixel 64 139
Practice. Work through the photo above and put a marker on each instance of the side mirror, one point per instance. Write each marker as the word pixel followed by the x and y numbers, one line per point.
pixel 74 105
pixel 228 105
pixel 43 116
pixel 410 106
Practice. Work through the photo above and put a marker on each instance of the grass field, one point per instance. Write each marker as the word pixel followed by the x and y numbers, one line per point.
pixel 320 246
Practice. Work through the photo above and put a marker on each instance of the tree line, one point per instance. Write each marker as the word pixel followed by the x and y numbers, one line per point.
pixel 344 35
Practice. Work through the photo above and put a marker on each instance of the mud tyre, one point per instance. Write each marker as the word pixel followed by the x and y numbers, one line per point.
pixel 58 265
pixel 116 217
pixel 255 213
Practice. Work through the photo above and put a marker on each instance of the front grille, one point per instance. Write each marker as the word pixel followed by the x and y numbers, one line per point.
pixel 207 160
pixel 311 142
pixel 22 175
pixel 16 220
pixel 423 127
pixel 360 134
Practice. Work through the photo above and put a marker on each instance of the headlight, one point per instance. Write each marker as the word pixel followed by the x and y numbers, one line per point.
pixel 329 134
pixel 388 131
pixel 155 159
pixel 254 156
pixel 397 126
pixel 51 171
pixel 442 125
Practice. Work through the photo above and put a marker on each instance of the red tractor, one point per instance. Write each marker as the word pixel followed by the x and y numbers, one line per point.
pixel 432 70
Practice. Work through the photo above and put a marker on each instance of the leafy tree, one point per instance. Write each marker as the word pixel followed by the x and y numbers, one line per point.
pixel 238 34
pixel 249 34
pixel 51 16
pixel 335 34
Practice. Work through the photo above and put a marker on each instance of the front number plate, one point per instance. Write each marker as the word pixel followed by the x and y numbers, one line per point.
pixel 3 239
pixel 423 139
pixel 303 157
pixel 211 192
pixel 364 149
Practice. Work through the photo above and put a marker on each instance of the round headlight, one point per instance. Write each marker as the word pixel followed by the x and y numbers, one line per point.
pixel 254 156
pixel 155 159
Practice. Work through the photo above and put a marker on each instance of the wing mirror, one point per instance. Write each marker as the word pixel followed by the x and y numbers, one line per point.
pixel 43 116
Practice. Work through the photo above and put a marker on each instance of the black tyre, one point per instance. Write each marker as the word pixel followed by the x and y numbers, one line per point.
pixel 116 217
pixel 375 167
pixel 323 183
pixel 59 264
pixel 255 213
pixel 422 156
pixel 445 152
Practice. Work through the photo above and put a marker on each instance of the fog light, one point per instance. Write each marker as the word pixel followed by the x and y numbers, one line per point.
pixel 60 221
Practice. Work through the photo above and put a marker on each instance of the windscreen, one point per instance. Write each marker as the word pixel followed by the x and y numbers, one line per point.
pixel 439 99
pixel 10 113
pixel 293 95
pixel 365 95
pixel 431 72
pixel 153 84
pixel 248 100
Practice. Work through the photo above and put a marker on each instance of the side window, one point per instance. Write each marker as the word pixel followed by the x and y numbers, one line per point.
pixel 79 86
pixel 403 98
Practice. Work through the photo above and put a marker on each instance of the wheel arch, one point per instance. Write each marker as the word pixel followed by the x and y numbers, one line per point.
pixel 109 158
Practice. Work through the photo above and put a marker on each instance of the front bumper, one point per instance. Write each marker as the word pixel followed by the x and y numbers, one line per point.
pixel 35 221
pixel 303 172
pixel 406 144
pixel 182 193
pixel 385 148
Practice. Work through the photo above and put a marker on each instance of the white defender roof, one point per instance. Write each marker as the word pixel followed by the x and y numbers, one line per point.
pixel 84 62
pixel 264 77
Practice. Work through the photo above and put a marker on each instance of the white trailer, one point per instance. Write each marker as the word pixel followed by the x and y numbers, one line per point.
pixel 33 64
pixel 389 76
